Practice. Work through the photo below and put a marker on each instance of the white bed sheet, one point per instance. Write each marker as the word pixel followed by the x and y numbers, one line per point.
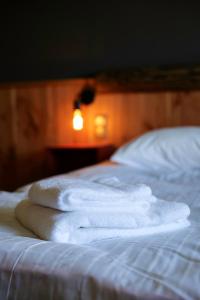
pixel 164 266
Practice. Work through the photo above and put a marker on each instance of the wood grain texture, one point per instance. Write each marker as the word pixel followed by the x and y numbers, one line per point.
pixel 34 116
pixel 7 145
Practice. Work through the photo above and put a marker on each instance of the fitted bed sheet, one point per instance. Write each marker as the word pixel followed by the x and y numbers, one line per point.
pixel 162 266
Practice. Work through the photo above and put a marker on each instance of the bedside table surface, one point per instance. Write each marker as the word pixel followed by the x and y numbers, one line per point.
pixel 68 157
pixel 81 146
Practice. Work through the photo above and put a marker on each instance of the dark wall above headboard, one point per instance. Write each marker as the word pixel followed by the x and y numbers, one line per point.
pixel 80 38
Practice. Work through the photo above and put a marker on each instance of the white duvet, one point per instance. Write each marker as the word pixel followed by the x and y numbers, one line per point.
pixel 163 266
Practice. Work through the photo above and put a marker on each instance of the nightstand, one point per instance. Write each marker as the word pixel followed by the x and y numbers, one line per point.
pixel 70 157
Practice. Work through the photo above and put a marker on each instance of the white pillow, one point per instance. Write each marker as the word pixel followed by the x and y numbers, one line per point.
pixel 163 151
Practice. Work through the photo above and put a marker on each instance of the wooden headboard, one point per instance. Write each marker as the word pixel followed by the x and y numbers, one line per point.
pixel 35 115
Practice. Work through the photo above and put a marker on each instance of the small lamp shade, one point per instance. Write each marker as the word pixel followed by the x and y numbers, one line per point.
pixel 86 96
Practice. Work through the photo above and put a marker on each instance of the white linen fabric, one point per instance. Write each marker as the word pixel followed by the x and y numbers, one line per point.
pixel 69 194
pixel 162 266
pixel 80 227
pixel 163 151
pixel 8 223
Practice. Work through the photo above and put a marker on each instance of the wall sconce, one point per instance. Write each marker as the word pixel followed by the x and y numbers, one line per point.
pixel 77 119
pixel 86 96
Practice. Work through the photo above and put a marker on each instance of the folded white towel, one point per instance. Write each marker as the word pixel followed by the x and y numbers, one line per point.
pixel 82 227
pixel 87 235
pixel 71 194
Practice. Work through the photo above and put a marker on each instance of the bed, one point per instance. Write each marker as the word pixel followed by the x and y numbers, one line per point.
pixel 162 266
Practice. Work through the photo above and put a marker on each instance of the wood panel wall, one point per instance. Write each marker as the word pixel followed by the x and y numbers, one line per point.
pixel 36 115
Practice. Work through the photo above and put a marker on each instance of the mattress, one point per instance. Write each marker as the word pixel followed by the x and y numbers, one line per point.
pixel 162 266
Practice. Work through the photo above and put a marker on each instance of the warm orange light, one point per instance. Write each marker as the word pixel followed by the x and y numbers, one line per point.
pixel 77 120
pixel 100 126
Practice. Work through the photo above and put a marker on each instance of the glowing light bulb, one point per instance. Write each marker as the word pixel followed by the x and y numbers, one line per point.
pixel 77 120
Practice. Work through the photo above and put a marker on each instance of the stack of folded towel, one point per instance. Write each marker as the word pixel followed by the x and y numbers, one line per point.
pixel 77 211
